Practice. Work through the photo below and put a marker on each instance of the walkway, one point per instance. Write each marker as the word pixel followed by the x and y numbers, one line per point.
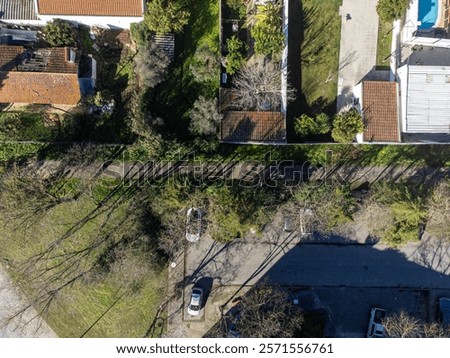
pixel 25 326
pixel 358 47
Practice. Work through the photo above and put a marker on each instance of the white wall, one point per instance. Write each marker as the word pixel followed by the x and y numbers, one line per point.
pixel 122 22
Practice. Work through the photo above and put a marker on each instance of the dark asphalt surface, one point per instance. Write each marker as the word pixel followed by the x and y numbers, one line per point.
pixel 353 265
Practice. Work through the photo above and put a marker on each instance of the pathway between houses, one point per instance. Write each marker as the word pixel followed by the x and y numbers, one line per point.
pixel 358 49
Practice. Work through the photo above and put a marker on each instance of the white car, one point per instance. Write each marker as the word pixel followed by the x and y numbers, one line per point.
pixel 195 303
pixel 376 328
pixel 194 224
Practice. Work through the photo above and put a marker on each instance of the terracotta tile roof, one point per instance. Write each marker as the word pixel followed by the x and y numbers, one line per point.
pixel 91 7
pixel 51 79
pixel 380 113
pixel 247 126
pixel 39 87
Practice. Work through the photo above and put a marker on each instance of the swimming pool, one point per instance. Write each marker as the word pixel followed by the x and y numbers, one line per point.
pixel 428 13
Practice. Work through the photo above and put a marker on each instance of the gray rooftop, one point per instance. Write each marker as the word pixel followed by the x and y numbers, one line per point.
pixel 17 10
pixel 429 56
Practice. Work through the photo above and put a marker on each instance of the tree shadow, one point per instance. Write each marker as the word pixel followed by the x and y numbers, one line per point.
pixel 347 280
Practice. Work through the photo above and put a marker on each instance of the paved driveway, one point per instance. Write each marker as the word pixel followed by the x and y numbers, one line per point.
pixel 22 326
pixel 358 47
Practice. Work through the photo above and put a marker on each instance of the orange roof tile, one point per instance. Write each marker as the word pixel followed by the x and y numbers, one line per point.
pixel 380 113
pixel 51 79
pixel 91 7
pixel 39 87
pixel 249 126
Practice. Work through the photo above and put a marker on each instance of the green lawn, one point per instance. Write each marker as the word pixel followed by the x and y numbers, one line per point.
pixel 121 280
pixel 384 44
pixel 320 53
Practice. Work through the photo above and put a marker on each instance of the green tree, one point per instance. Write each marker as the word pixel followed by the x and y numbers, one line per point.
pixel 238 6
pixel 390 10
pixel 164 16
pixel 267 32
pixel 234 57
pixel 327 204
pixel 205 117
pixel 406 212
pixel 59 33
pixel 206 64
pixel 346 125
pixel 151 65
pixel 306 125
pixel 141 34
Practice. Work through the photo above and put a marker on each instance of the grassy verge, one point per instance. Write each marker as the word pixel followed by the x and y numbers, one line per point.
pixel 384 44
pixel 97 258
pixel 320 53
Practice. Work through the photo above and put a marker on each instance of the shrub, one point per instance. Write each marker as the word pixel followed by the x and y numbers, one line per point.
pixel 234 58
pixel 238 6
pixel 59 33
pixel 346 125
pixel 205 117
pixel 305 125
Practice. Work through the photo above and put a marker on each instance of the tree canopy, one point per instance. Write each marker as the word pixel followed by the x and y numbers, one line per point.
pixel 267 32
pixel 165 16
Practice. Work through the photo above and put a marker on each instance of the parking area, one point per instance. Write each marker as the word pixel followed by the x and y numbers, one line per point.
pixel 341 278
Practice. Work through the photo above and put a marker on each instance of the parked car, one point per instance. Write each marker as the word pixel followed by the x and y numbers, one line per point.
pixel 194 224
pixel 376 328
pixel 195 303
pixel 444 311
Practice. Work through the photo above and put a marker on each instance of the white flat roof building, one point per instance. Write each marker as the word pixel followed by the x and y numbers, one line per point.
pixel 427 105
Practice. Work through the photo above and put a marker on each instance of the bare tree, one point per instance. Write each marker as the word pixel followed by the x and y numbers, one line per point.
pixel 264 312
pixel 403 325
pixel 259 87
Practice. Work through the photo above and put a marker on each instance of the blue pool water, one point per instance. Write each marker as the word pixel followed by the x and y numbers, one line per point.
pixel 428 13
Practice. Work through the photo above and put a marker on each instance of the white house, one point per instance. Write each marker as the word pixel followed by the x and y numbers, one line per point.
pixel 112 13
